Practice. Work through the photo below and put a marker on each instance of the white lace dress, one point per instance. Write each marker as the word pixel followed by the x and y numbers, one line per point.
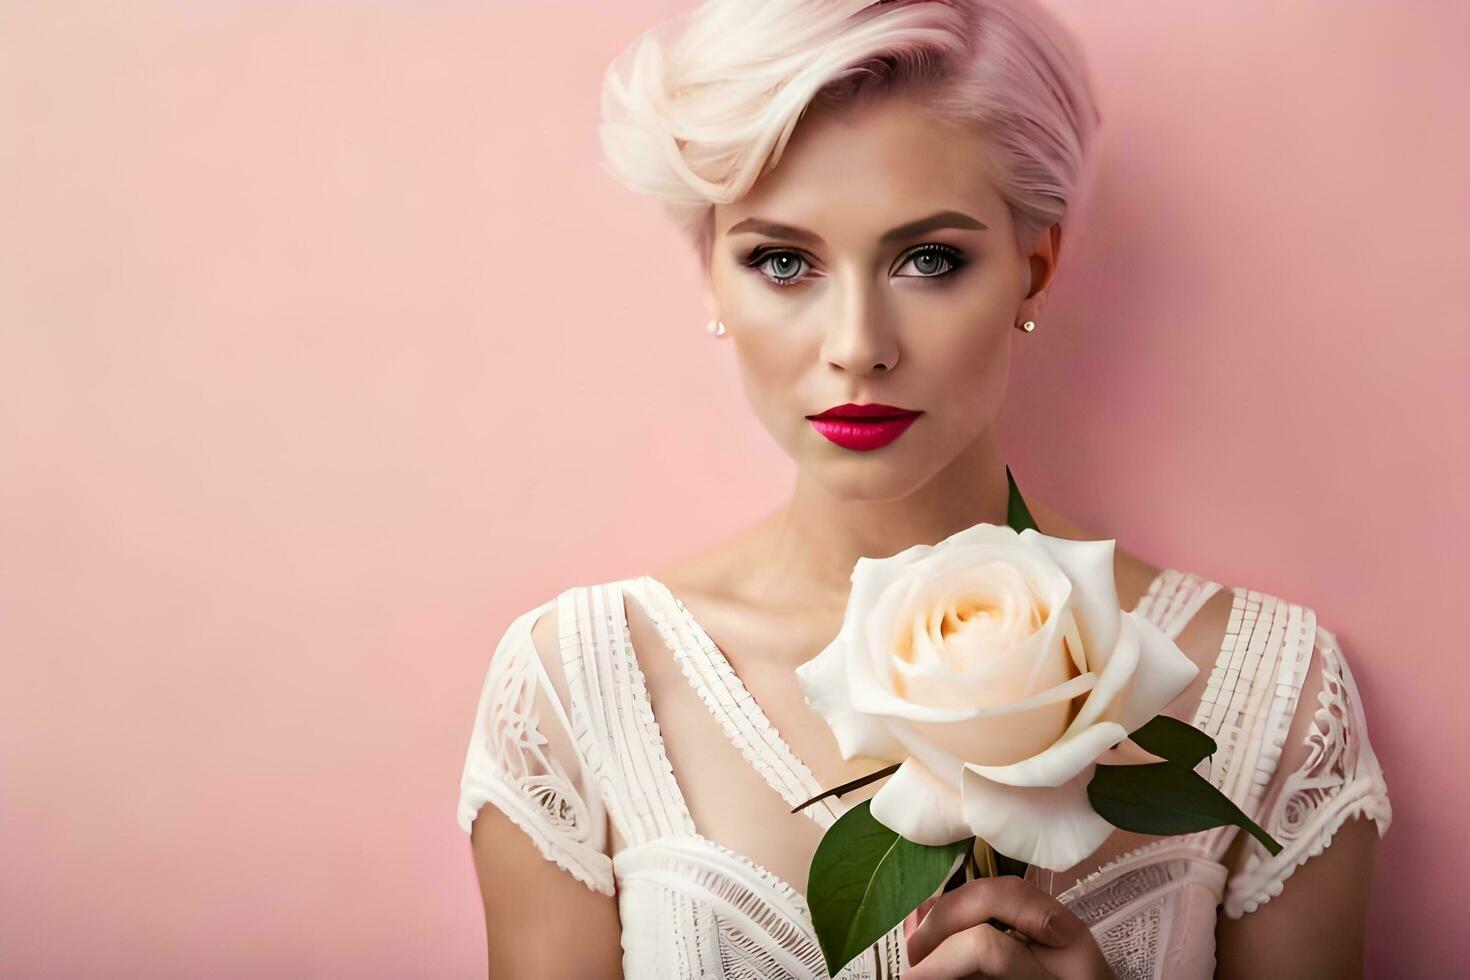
pixel 691 907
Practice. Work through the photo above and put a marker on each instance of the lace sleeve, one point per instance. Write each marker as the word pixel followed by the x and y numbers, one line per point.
pixel 522 760
pixel 1327 774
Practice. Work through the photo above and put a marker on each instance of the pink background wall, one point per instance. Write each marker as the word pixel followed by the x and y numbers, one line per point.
pixel 325 348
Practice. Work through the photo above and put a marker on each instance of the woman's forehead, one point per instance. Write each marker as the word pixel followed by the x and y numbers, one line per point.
pixel 867 170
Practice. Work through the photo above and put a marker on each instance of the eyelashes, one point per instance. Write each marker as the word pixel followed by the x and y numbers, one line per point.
pixel 760 257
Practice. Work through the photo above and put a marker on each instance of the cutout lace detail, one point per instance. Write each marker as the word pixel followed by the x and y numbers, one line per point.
pixel 1340 778
pixel 1132 946
pixel 1125 889
pixel 508 768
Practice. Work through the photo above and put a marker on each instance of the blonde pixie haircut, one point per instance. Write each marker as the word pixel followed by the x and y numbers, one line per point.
pixel 695 110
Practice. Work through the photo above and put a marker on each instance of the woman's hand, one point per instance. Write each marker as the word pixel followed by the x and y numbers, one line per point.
pixel 952 942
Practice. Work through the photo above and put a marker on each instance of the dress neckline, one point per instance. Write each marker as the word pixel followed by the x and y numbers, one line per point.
pixel 778 752
pixel 776 749
pixel 723 692
pixel 759 741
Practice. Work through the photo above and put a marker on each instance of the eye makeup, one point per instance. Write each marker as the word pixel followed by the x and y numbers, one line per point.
pixel 757 258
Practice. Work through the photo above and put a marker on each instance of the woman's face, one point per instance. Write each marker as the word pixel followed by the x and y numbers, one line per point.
pixel 849 304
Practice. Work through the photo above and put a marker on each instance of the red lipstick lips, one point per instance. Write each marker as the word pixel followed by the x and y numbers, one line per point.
pixel 863 427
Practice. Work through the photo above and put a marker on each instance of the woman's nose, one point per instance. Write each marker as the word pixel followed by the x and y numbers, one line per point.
pixel 860 337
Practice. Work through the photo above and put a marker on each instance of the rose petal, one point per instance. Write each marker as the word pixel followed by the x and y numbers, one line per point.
pixel 1045 650
pixel 1031 667
pixel 1073 641
pixel 1128 753
pixel 997 741
pixel 963 617
pixel 1050 827
pixel 875 630
pixel 1049 647
pixel 1004 735
pixel 871 579
pixel 1059 763
pixel 943 765
pixel 919 806
pixel 1031 577
pixel 884 595
pixel 1089 566
pixel 1163 672
pixel 865 698
pixel 1114 682
pixel 823 680
pixel 980 533
pixel 863 736
pixel 988 543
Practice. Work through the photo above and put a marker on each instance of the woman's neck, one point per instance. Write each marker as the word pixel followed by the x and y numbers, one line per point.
pixel 810 544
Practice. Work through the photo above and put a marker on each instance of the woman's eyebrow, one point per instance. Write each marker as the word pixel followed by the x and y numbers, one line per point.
pixel 774 229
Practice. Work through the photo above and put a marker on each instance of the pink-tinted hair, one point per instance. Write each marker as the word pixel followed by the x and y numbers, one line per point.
pixel 696 109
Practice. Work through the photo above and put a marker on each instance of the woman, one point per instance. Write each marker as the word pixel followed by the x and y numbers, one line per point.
pixel 641 743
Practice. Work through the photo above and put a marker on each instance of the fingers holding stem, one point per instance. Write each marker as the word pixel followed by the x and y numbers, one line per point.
pixel 1000 903
pixel 979 862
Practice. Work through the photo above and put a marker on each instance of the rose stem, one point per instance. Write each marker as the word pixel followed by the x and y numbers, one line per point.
pixel 839 790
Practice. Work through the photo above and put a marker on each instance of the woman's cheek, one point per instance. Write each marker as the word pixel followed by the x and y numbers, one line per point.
pixel 772 386
pixel 975 371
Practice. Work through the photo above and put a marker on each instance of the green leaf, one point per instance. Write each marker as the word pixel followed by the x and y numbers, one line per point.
pixel 1018 515
pixel 1166 798
pixel 865 878
pixel 1178 741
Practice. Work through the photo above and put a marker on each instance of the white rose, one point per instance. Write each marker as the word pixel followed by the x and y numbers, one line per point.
pixel 996 667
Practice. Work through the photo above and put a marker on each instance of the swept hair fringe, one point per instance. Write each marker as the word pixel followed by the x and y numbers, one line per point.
pixel 698 108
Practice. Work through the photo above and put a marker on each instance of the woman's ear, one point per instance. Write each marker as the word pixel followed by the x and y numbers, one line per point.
pixel 1042 263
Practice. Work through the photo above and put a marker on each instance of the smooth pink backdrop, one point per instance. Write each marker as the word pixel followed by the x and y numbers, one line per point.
pixel 325 348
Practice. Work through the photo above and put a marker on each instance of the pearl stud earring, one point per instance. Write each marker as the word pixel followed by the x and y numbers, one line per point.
pixel 1029 326
pixel 716 327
